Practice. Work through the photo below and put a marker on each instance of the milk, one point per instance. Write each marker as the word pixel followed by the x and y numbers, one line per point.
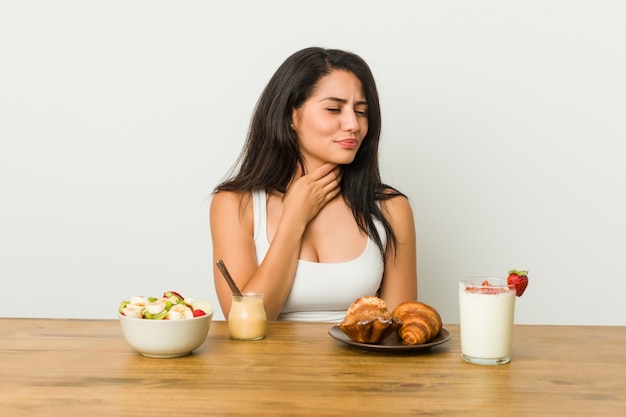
pixel 486 321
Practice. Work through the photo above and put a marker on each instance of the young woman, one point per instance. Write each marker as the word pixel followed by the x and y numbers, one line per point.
pixel 306 219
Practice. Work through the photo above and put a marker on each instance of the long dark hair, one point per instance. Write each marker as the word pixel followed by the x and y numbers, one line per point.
pixel 271 153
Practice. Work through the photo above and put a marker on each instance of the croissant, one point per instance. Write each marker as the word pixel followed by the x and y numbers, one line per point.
pixel 368 320
pixel 420 322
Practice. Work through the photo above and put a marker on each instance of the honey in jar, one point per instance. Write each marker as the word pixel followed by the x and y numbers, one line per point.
pixel 247 319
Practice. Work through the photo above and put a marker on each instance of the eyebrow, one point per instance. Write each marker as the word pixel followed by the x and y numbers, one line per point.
pixel 343 101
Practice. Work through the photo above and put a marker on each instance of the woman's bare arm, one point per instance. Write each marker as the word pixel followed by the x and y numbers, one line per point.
pixel 400 275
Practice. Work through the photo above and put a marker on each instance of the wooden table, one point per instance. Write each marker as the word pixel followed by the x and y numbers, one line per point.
pixel 71 368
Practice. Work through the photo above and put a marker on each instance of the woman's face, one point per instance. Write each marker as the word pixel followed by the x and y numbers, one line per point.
pixel 332 123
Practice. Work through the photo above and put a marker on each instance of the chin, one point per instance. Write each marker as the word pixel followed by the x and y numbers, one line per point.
pixel 338 160
pixel 343 160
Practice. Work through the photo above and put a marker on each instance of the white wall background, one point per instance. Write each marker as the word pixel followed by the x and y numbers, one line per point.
pixel 504 122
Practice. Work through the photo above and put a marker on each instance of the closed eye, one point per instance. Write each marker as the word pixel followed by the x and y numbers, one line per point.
pixel 360 113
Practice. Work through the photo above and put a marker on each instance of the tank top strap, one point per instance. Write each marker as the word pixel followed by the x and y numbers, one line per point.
pixel 259 204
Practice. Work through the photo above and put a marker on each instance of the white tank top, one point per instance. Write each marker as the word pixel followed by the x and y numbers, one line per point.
pixel 323 291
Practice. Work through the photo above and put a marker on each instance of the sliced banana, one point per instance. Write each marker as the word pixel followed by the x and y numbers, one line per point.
pixel 132 310
pixel 155 307
pixel 179 311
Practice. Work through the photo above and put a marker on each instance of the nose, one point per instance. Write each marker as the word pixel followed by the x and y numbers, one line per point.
pixel 350 122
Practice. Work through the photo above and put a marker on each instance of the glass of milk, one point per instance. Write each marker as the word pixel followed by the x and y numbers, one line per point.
pixel 247 319
pixel 486 310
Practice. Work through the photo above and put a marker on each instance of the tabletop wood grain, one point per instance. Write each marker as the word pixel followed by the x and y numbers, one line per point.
pixel 69 368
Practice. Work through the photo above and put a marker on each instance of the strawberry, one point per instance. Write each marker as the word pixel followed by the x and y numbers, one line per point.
pixel 198 313
pixel 518 280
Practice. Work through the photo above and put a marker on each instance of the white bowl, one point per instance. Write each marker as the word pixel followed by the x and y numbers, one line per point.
pixel 165 338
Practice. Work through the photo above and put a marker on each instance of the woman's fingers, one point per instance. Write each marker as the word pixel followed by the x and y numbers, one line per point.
pixel 309 193
pixel 328 175
pixel 327 186
pixel 325 173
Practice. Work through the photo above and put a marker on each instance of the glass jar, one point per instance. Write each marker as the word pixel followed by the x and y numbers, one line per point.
pixel 247 319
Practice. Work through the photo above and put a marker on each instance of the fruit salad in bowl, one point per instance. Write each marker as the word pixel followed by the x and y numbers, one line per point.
pixel 165 327
pixel 171 306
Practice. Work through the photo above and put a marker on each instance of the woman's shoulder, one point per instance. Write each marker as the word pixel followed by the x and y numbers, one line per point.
pixel 396 204
pixel 231 201
pixel 390 194
pixel 230 195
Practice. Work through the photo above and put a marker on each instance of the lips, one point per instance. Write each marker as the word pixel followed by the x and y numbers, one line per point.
pixel 348 143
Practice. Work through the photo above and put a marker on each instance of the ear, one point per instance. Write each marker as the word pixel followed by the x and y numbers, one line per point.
pixel 294 119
